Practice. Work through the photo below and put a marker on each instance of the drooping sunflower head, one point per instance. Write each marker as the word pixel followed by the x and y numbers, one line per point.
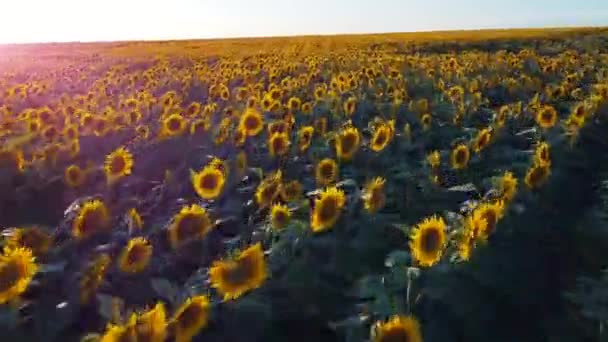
pixel 278 144
pixel 190 318
pixel 327 209
pixel 93 217
pixel 373 195
pixel 242 273
pixel 135 256
pixel 482 140
pixel 280 215
pixel 251 122
pixel 118 164
pixel 326 172
pixel 460 157
pixel 209 182
pixel 427 241
pixel 347 143
pixel 546 117
pixel 17 268
pixel 268 189
pixel 192 222
pixel 305 135
pixel 507 186
pixel 491 213
pixel 537 175
pixel 397 328
pixel 74 176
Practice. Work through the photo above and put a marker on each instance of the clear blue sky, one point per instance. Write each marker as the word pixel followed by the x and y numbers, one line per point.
pixel 92 20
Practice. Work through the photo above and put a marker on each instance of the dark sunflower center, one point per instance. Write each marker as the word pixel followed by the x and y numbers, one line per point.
pixel 461 156
pixel 430 241
pixel 10 273
pixel 189 316
pixel 327 209
pixel 136 254
pixel 380 138
pixel 251 122
pixel 348 142
pixel 242 271
pixel 209 182
pixel 327 171
pixel 174 124
pixel 491 219
pixel 93 221
pixel 118 164
pixel 189 226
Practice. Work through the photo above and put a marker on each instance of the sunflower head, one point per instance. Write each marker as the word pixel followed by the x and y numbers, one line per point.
pixel 507 186
pixel 190 318
pixel 542 154
pixel 152 325
pixel 305 135
pixel 460 157
pixel 326 172
pixel 426 121
pixel 278 144
pixel 242 273
pixel 118 164
pixel 397 328
pixel 537 175
pixel 427 241
pixel 192 222
pixel 327 209
pixel 251 122
pixel 546 117
pixel 373 195
pixel 32 238
pixel 347 143
pixel 482 140
pixel 17 268
pixel 434 159
pixel 74 176
pixel 491 213
pixel 209 182
pixel 269 189
pixel 381 138
pixel 280 215
pixel 135 256
pixel 93 217
pixel 173 125
pixel 320 126
pixel 350 105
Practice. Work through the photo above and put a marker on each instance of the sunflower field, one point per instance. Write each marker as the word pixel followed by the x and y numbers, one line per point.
pixel 398 187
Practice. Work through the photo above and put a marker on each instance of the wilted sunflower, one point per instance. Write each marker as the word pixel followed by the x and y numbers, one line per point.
pixel 278 144
pixel 192 222
pixel 135 256
pixel 118 164
pixel 491 213
pixel 347 143
pixel 74 176
pixel 373 195
pixel 242 273
pixel 305 137
pixel 327 209
pixel 190 318
pixel 428 240
pixel 33 238
pixel 209 182
pixel 251 122
pixel 326 172
pixel 460 157
pixel 537 175
pixel 546 116
pixel 93 217
pixel 507 186
pixel 280 215
pixel 17 268
pixel 173 125
pixel 151 325
pixel 397 329
pixel 268 189
pixel 482 140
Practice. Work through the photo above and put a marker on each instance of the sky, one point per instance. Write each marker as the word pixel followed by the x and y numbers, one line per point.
pixel 26 21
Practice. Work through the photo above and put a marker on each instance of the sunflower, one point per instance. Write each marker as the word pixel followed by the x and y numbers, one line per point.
pixel 482 140
pixel 268 189
pixel 350 105
pixel 121 332
pixel 192 222
pixel 118 164
pixel 294 104
pixel 291 191
pixel 17 268
pixel 32 238
pixel 434 159
pixel 460 157
pixel 537 175
pixel 327 209
pixel 190 318
pixel 134 219
pixel 135 256
pixel 173 125
pixel 305 137
pixel 326 172
pixel 93 217
pixel 373 195
pixel 142 132
pixel 74 176
pixel 428 240
pixel 209 182
pixel 397 328
pixel 93 276
pixel 242 273
pixel 279 216
pixel 347 143
pixel 426 121
pixel 491 213
pixel 251 122
pixel 542 154
pixel 320 126
pixel 151 325
pixel 546 116
pixel 278 144
pixel 507 186
pixel 381 138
